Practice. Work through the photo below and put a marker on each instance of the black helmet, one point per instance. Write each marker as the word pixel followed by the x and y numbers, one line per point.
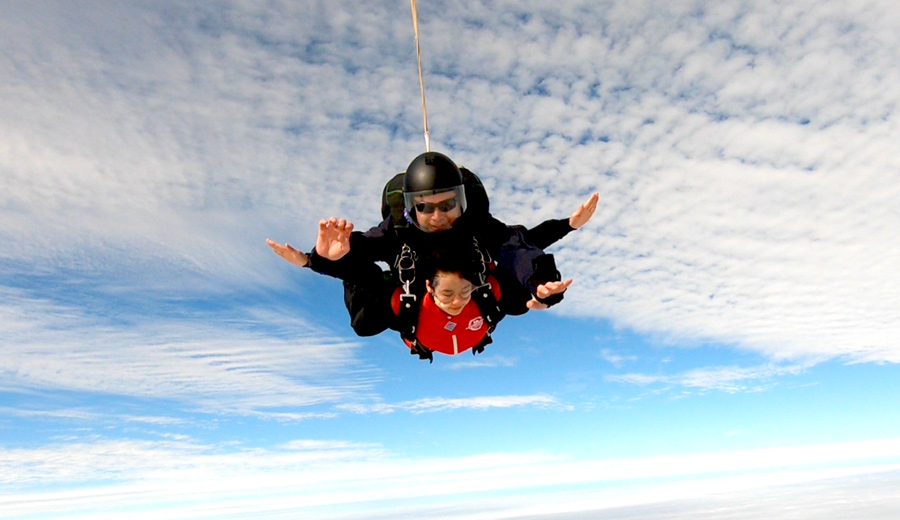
pixel 431 171
pixel 429 174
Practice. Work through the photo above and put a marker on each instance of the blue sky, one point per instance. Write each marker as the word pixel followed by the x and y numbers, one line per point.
pixel 729 343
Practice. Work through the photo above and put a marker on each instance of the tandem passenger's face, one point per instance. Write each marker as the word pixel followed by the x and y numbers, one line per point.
pixel 451 292
pixel 437 212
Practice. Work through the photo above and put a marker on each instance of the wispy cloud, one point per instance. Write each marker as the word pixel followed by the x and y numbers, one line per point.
pixel 615 359
pixel 727 379
pixel 482 362
pixel 440 404
pixel 214 363
pixel 181 478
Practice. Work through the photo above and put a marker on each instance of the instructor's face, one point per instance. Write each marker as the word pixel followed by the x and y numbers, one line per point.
pixel 437 212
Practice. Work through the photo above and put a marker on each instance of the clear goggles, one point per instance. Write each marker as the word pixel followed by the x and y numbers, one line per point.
pixel 415 202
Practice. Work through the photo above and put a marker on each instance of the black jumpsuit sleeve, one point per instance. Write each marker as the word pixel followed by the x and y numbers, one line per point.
pixel 366 248
pixel 548 232
pixel 513 295
pixel 367 289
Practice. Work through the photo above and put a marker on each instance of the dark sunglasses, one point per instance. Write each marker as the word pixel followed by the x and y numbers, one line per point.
pixel 443 206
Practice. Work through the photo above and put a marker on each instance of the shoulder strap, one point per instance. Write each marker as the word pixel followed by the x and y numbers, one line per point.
pixel 408 314
pixel 484 297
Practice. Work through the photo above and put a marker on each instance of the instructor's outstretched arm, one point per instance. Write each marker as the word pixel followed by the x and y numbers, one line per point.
pixel 298 258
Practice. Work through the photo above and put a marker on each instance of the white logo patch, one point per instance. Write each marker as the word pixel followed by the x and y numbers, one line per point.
pixel 450 326
pixel 476 323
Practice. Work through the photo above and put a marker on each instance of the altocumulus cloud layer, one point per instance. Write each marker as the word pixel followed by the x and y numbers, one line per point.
pixel 745 153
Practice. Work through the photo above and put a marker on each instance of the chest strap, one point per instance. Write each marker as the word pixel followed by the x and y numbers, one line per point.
pixel 408 315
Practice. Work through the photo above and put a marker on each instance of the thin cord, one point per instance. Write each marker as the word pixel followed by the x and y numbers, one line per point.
pixel 415 18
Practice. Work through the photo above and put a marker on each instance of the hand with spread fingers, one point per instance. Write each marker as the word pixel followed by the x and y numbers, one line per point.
pixel 333 240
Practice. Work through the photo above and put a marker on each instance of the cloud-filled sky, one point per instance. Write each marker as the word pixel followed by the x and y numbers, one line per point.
pixel 735 296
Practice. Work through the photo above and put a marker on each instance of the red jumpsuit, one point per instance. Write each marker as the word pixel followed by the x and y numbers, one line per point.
pixel 441 332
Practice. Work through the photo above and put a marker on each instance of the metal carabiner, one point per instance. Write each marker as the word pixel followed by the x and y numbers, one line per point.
pixel 406 263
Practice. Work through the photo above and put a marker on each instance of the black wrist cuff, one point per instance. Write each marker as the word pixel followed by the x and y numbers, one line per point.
pixel 545 271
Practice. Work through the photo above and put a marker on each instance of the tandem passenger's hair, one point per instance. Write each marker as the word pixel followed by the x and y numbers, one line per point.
pixel 451 260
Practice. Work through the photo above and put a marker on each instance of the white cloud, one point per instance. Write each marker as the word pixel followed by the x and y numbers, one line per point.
pixel 727 379
pixel 180 479
pixel 615 359
pixel 741 208
pixel 211 362
pixel 746 155
pixel 482 362
pixel 439 404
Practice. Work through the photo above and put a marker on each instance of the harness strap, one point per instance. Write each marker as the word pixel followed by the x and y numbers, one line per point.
pixel 483 295
pixel 408 316
pixel 487 304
